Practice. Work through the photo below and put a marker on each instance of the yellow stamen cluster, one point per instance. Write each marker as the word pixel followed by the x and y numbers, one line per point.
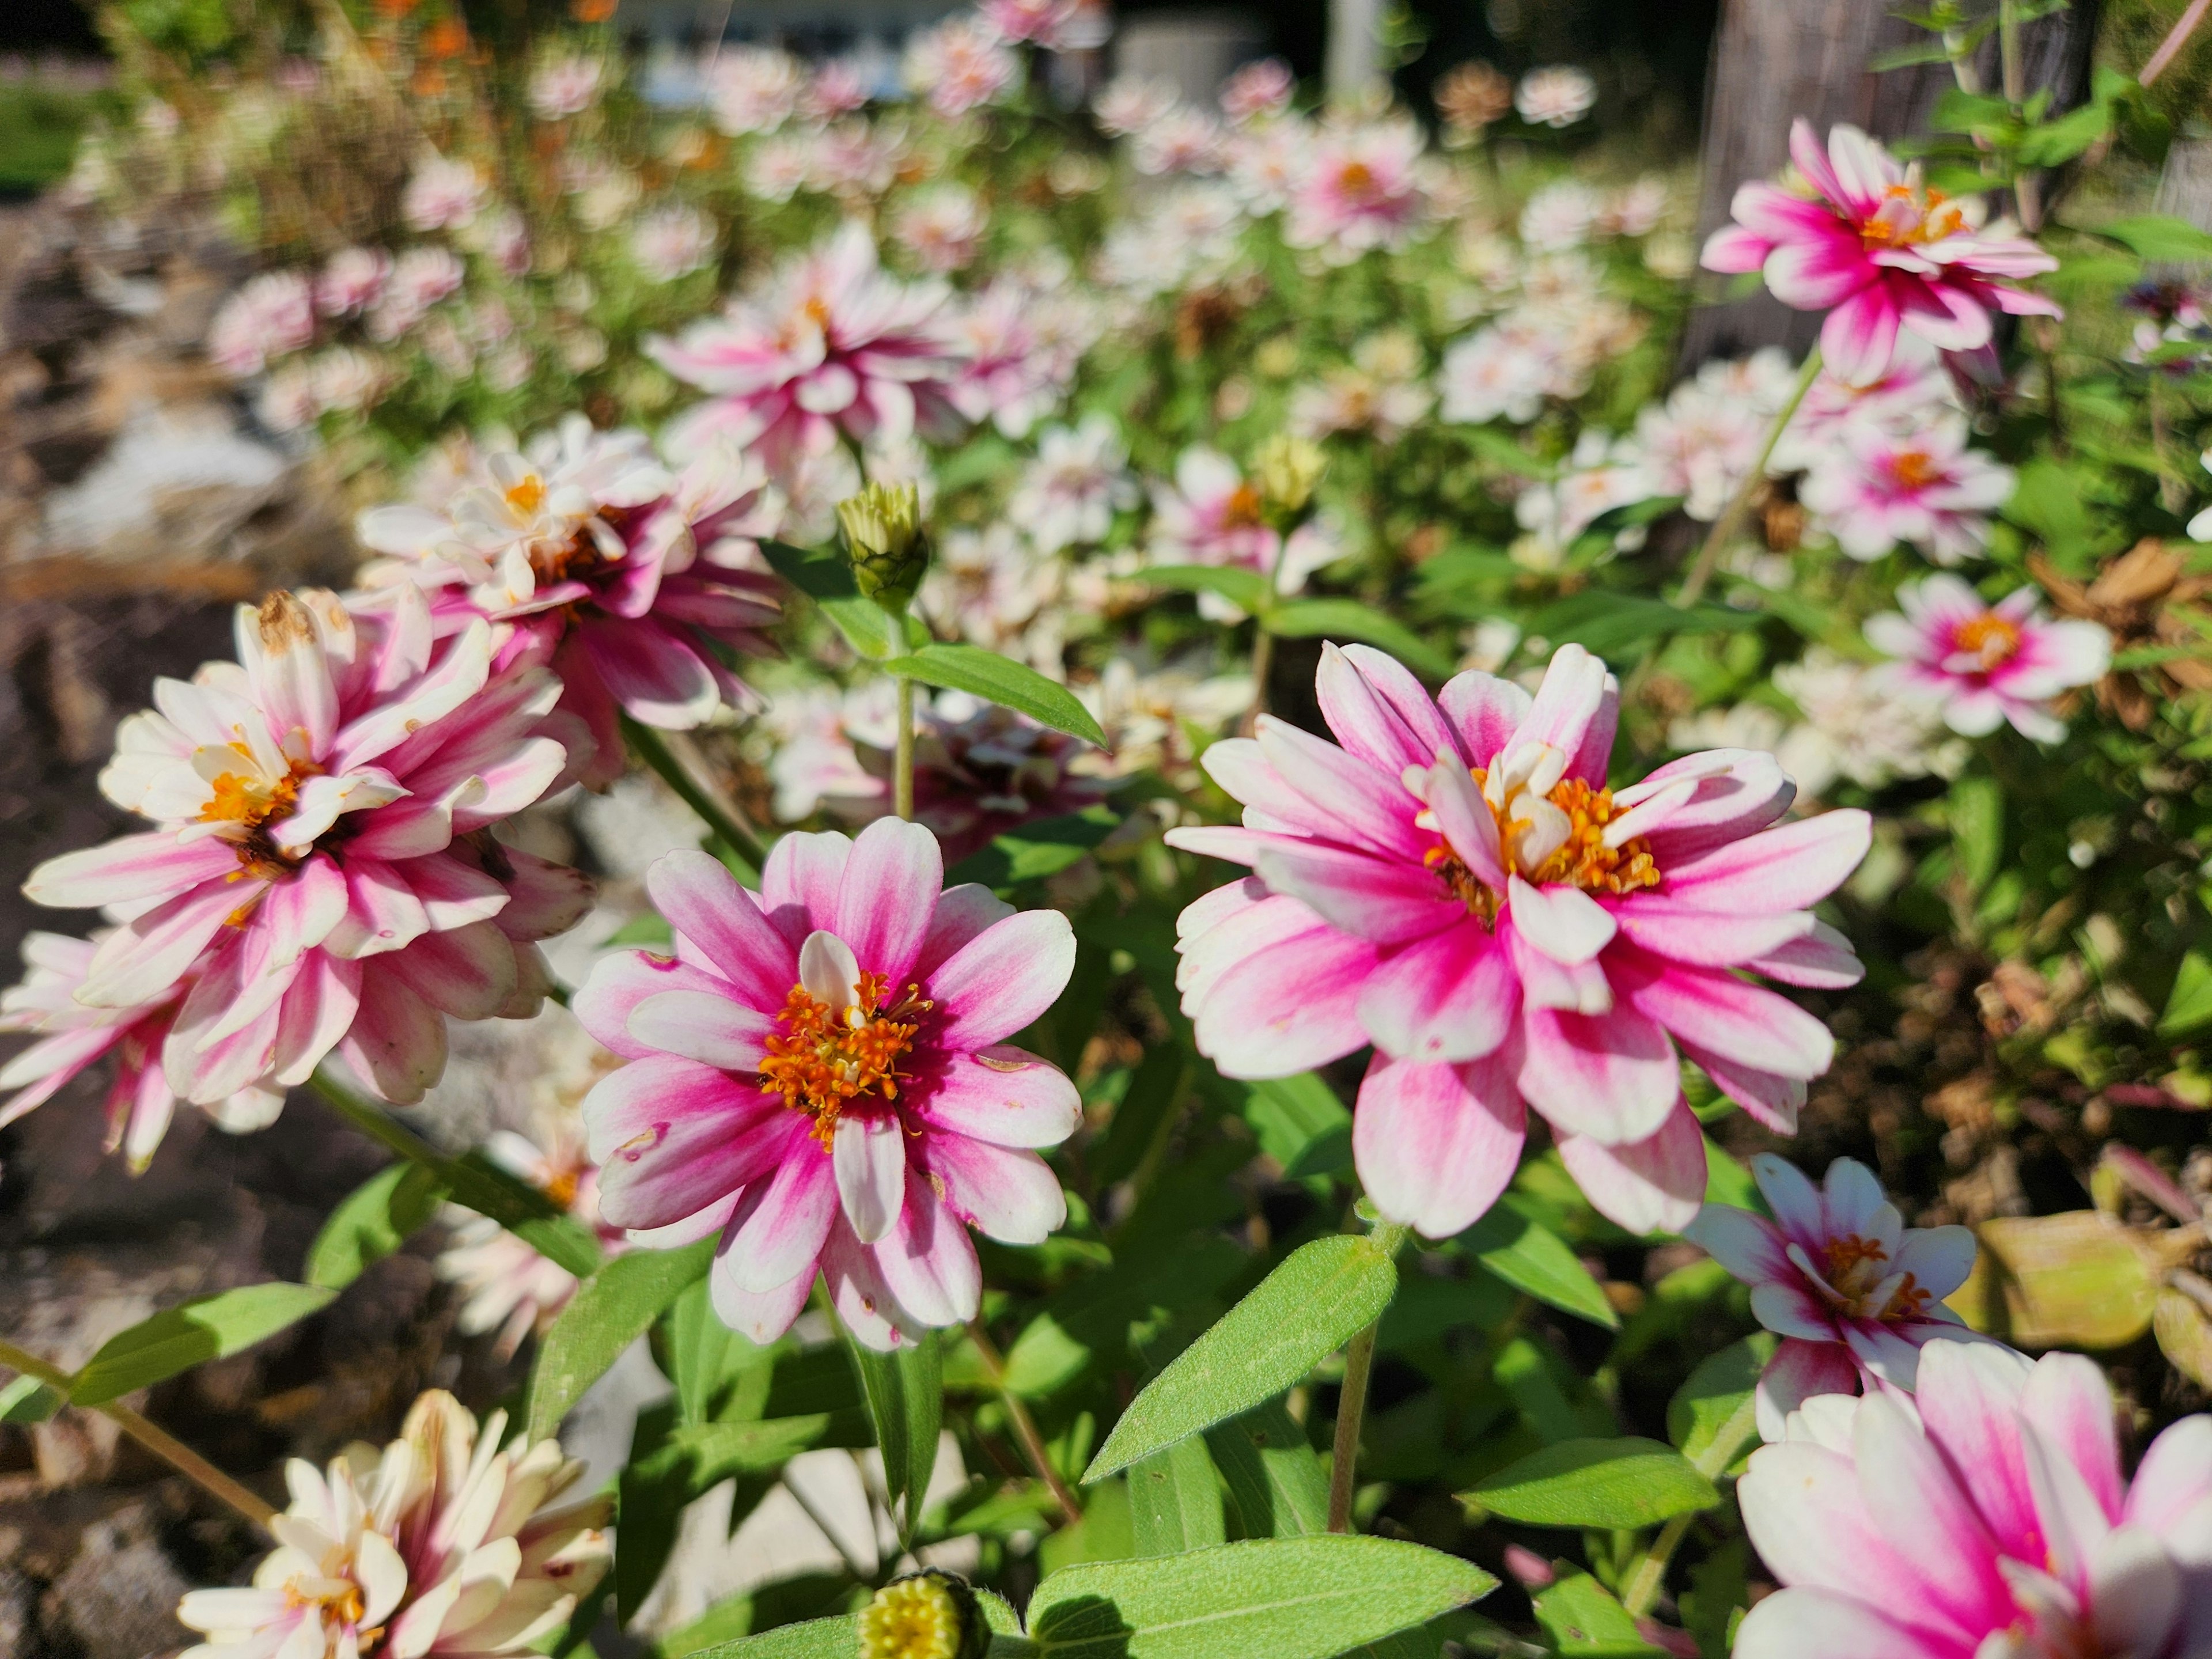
pixel 1466 886
pixel 1989 637
pixel 1585 861
pixel 921 1617
pixel 1243 511
pixel 821 1059
pixel 524 499
pixel 1914 469
pixel 1911 216
pixel 1857 1267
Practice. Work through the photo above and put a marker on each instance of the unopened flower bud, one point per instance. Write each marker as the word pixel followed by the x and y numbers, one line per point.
pixel 884 537
pixel 930 1616
pixel 1288 468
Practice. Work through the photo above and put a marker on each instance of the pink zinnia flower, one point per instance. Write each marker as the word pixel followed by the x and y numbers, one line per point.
pixel 1212 515
pixel 270 316
pixel 818 1075
pixel 833 344
pixel 755 90
pixel 565 85
pixel 590 556
pixel 1360 189
pixel 1852 1292
pixel 1986 1519
pixel 1882 249
pixel 1258 90
pixel 1875 488
pixel 1036 21
pixel 351 280
pixel 942 228
pixel 1557 95
pixel 836 89
pixel 442 195
pixel 311 799
pixel 1456 886
pixel 444 1545
pixel 961 64
pixel 1981 664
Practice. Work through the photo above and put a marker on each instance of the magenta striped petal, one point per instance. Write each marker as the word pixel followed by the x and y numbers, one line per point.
pixel 787 1231
pixel 1285 1008
pixel 1011 1195
pixel 140 961
pixel 1650 1186
pixel 927 1261
pixel 1379 710
pixel 1790 867
pixel 1005 1096
pixel 799 881
pixel 1799 1371
pixel 466 972
pixel 705 1026
pixel 1354 801
pixel 396 1043
pixel 1719 1012
pixel 1452 996
pixel 703 902
pixel 1002 980
pixel 1386 900
pixel 316 1013
pixel 1485 711
pixel 887 895
pixel 1610 1076
pixel 962 913
pixel 618 983
pixel 129 869
pixel 1436 1145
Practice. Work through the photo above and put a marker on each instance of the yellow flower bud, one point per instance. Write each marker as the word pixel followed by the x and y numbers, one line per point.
pixel 931 1615
pixel 883 537
pixel 1287 469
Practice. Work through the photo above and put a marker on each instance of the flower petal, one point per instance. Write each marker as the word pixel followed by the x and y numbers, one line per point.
pixel 1437 1144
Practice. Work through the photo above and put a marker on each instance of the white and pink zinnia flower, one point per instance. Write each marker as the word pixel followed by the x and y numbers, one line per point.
pixel 1212 514
pixel 1879 252
pixel 1852 1292
pixel 444 1545
pixel 1874 487
pixel 1987 1518
pixel 1456 886
pixel 1360 188
pixel 317 876
pixel 834 343
pixel 1980 665
pixel 819 1076
pixel 590 556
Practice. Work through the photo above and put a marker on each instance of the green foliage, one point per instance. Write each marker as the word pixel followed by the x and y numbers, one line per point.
pixel 905 1392
pixel 372 1221
pixel 1614 1484
pixel 611 1309
pixel 192 1333
pixel 1001 680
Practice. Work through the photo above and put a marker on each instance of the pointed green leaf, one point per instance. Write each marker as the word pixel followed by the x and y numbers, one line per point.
pixel 2159 236
pixel 986 674
pixel 611 1310
pixel 905 1391
pixel 1605 1484
pixel 1583 1621
pixel 1245 589
pixel 1305 1311
pixel 1710 1419
pixel 1274 1473
pixel 2188 1005
pixel 1532 1258
pixel 373 1221
pixel 192 1334
pixel 1175 1500
pixel 1283 1598
pixel 27 1399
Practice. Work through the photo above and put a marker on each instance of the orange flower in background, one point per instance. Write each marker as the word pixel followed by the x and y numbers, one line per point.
pixel 593 11
pixel 446 38
pixel 396 8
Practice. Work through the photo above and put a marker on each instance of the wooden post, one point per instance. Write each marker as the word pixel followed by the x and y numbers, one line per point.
pixel 1774 60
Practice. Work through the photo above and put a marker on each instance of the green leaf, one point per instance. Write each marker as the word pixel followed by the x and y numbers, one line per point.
pixel 2061 140
pixel 905 1391
pixel 611 1310
pixel 475 1182
pixel 1305 1311
pixel 706 1360
pixel 373 1221
pixel 825 576
pixel 817 1638
pixel 2159 236
pixel 1304 619
pixel 192 1334
pixel 1037 850
pixel 1607 624
pixel 1976 818
pixel 1274 1475
pixel 1583 1620
pixel 1001 679
pixel 27 1399
pixel 1285 1598
pixel 2189 1005
pixel 1605 1484
pixel 1245 589
pixel 1710 1419
pixel 1534 1260
pixel 1301 1124
pixel 870 630
pixel 1174 1501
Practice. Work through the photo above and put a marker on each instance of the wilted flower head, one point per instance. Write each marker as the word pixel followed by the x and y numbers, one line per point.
pixel 442 195
pixel 833 343
pixel 754 89
pixel 1877 249
pixel 441 1546
pixel 1853 1293
pixel 1988 1517
pixel 1983 664
pixel 1558 96
pixel 1457 886
pixel 1473 96
pixel 818 1077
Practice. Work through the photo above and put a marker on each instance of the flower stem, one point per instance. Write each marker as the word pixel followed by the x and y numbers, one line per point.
pixel 1732 516
pixel 376 1124
pixel 1351 1403
pixel 1263 658
pixel 1026 1428
pixel 718 815
pixel 903 759
pixel 1641 1584
pixel 2176 38
pixel 164 1445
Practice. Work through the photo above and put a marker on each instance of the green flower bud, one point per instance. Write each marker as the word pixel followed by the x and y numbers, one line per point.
pixel 930 1616
pixel 1287 469
pixel 884 537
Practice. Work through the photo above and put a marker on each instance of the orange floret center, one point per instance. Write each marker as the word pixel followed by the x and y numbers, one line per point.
pixel 1243 511
pixel 1583 860
pixel 1915 470
pixel 524 499
pixel 1910 216
pixel 1989 637
pixel 821 1059
pixel 1857 1267
pixel 1356 179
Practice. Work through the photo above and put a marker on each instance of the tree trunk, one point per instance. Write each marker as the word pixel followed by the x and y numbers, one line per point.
pixel 1774 60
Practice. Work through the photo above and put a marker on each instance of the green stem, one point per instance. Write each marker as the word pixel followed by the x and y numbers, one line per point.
pixel 651 747
pixel 1732 516
pixel 378 1125
pixel 1263 658
pixel 903 762
pixel 1026 1428
pixel 1351 1403
pixel 164 1445
pixel 1641 1584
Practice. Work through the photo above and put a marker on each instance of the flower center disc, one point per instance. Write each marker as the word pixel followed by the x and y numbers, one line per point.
pixel 821 1059
pixel 1911 216
pixel 1990 638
